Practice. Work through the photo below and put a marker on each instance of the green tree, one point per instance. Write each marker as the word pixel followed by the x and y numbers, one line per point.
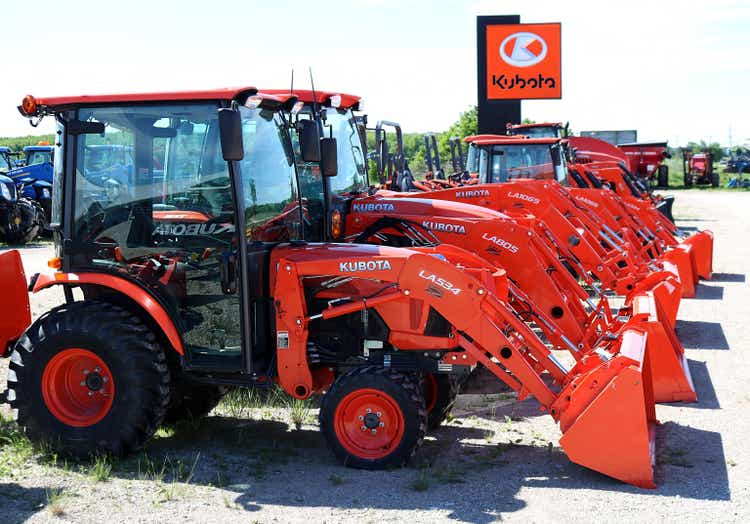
pixel 17 143
pixel 717 152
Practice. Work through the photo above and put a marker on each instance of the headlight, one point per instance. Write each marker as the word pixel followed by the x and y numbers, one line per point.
pixel 5 192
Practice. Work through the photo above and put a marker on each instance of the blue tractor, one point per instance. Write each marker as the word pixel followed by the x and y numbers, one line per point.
pixel 21 218
pixel 39 154
pixel 34 179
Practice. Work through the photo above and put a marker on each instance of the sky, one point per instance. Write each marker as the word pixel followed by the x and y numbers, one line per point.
pixel 673 70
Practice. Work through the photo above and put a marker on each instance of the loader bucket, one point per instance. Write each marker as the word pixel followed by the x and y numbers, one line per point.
pixel 702 252
pixel 15 299
pixel 668 367
pixel 678 260
pixel 614 433
pixel 665 207
pixel 667 295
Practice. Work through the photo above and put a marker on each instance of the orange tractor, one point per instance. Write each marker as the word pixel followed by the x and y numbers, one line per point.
pixel 543 261
pixel 205 271
pixel 451 225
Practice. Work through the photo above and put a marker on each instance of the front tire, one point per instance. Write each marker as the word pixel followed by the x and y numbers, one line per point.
pixel 389 405
pixel 441 391
pixel 88 378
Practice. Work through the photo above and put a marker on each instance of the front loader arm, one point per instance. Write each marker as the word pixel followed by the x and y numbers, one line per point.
pixel 603 391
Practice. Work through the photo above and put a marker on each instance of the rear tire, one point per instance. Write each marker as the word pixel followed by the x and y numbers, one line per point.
pixel 663 176
pixel 113 408
pixel 31 215
pixel 394 425
pixel 714 179
pixel 440 394
pixel 688 180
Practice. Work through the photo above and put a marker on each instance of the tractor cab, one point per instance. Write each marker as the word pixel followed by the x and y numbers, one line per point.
pixel 38 154
pixel 145 195
pixel 6 163
pixel 495 159
pixel 540 130
pixel 324 198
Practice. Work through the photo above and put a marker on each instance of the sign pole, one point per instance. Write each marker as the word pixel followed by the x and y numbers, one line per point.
pixel 493 115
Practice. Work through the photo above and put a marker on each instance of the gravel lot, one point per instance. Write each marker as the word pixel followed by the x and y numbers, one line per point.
pixel 498 461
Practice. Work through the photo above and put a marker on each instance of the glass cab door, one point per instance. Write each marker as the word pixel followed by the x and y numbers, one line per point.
pixel 153 203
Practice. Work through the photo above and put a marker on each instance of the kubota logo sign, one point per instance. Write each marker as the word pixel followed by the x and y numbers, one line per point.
pixel 523 61
pixel 523 49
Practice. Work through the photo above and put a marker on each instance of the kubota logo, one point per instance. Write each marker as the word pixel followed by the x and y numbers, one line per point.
pixel 364 265
pixel 473 194
pixel 443 227
pixel 368 207
pixel 523 49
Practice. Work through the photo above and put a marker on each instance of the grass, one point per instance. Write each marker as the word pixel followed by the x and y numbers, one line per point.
pixel 55 501
pixel 335 480
pixel 101 469
pixel 15 448
pixel 677 181
pixel 246 402
pixel 675 457
pixel 421 482
pixel 451 476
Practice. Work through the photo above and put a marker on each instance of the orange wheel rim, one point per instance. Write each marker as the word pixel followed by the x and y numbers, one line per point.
pixel 78 387
pixel 430 391
pixel 369 424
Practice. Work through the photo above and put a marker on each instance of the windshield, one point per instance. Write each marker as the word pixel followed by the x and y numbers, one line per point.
pixel 352 175
pixel 38 157
pixel 4 162
pixel 272 211
pixel 538 132
pixel 472 159
pixel 520 161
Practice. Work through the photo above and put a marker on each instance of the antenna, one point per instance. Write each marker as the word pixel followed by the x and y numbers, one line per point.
pixel 291 88
pixel 315 98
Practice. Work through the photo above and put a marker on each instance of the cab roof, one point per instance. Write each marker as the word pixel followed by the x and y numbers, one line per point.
pixel 323 98
pixel 540 124
pixel 491 140
pixel 32 106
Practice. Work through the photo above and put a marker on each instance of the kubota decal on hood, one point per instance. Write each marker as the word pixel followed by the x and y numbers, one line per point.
pixel 443 227
pixel 474 193
pixel 364 265
pixel 370 207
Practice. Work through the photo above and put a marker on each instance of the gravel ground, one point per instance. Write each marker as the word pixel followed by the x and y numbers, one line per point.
pixel 498 460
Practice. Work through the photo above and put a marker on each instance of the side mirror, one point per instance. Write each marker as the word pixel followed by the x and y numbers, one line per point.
pixel 309 140
pixel 230 130
pixel 328 157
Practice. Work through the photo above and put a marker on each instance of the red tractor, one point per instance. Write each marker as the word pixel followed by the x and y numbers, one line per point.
pixel 698 168
pixel 206 272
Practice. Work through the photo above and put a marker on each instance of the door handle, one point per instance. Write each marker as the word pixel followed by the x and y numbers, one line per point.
pixel 228 270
